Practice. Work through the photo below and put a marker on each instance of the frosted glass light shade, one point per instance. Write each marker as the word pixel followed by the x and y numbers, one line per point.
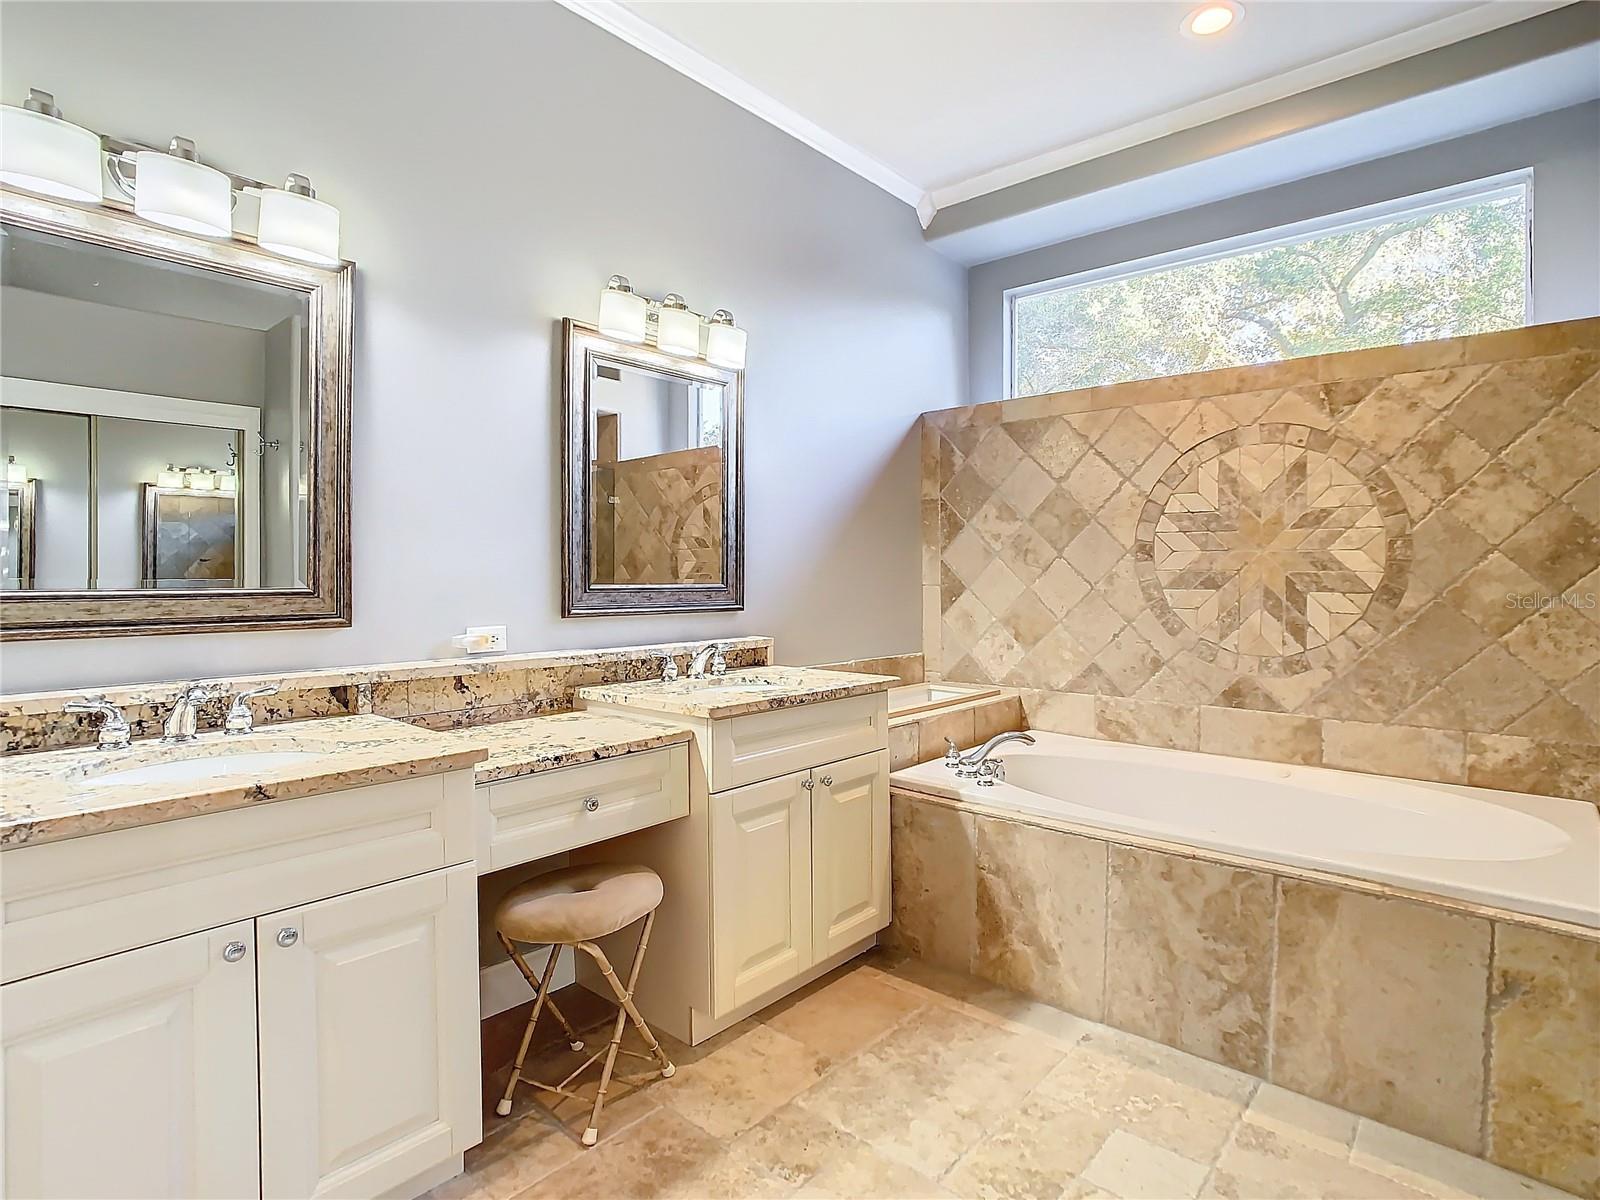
pixel 678 331
pixel 169 478
pixel 44 154
pixel 183 194
pixel 200 481
pixel 725 345
pixel 622 315
pixel 299 227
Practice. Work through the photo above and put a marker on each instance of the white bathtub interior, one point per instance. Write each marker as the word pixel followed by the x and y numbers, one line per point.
pixel 922 697
pixel 1533 854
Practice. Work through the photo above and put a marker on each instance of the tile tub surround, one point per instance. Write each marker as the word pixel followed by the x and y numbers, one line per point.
pixel 436 693
pixel 45 798
pixel 1368 551
pixel 907 668
pixel 890 1079
pixel 919 737
pixel 537 744
pixel 1449 1021
pixel 738 693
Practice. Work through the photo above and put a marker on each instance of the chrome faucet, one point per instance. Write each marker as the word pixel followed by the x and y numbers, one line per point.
pixel 181 723
pixel 669 668
pixel 708 660
pixel 114 732
pixel 976 764
pixel 240 719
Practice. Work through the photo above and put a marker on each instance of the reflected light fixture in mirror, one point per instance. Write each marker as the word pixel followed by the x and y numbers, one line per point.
pixel 678 329
pixel 623 313
pixel 295 224
pixel 40 152
pixel 177 190
pixel 725 341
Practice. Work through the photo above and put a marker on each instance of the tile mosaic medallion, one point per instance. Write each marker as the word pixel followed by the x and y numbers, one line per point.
pixel 1270 541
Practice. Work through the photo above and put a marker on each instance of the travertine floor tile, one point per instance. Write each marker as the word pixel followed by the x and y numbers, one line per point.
pixel 1289 1114
pixel 1262 1164
pixel 1135 1169
pixel 843 1012
pixel 753 1073
pixel 934 1088
pixel 929 1090
pixel 1439 1170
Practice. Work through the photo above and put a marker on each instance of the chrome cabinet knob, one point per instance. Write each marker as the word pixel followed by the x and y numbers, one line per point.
pixel 827 781
pixel 592 804
pixel 288 936
pixel 234 951
pixel 808 783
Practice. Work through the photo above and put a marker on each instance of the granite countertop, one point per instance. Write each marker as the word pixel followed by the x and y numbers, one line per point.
pixel 50 796
pixel 562 740
pixel 759 689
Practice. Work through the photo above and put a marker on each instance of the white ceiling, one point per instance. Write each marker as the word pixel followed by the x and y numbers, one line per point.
pixel 938 102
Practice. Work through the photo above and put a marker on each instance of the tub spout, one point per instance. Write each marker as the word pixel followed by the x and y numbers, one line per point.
pixel 971 766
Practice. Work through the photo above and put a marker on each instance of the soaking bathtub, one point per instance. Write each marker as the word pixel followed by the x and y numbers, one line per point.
pixel 1529 854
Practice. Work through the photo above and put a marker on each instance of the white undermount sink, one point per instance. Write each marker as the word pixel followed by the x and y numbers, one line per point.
pixel 205 766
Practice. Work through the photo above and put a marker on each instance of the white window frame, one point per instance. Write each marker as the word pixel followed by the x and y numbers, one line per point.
pixel 1459 195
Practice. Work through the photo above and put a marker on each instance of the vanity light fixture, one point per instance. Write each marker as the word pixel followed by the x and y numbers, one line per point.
pixel 227 481
pixel 624 314
pixel 169 478
pixel 295 224
pixel 199 479
pixel 725 341
pixel 1212 18
pixel 15 471
pixel 174 188
pixel 40 152
pixel 629 317
pixel 677 328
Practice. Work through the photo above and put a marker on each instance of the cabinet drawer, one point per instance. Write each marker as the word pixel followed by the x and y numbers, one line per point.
pixel 70 901
pixel 520 820
pixel 766 745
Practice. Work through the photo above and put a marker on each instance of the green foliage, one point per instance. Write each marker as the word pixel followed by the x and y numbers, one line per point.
pixel 1446 274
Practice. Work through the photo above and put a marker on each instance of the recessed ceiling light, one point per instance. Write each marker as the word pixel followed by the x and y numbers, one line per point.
pixel 1211 19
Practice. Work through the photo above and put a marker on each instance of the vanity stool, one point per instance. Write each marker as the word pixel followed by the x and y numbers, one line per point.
pixel 574 907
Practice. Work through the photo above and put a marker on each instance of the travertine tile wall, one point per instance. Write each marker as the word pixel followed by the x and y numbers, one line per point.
pixel 438 694
pixel 1386 560
pixel 1471 1031
pixel 667 518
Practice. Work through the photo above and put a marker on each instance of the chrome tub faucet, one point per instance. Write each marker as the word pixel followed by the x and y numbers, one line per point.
pixel 977 764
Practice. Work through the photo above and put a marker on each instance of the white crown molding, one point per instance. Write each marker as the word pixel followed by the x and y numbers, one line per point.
pixel 1436 34
pixel 618 20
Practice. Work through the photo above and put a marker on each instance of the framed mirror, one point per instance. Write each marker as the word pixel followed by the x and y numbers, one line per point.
pixel 653 519
pixel 174 428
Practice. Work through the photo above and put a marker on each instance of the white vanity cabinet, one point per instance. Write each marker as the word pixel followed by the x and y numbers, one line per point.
pixel 313 1038
pixel 781 870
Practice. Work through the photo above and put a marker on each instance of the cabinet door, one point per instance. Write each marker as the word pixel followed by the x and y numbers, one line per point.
pixel 761 888
pixel 850 851
pixel 369 1036
pixel 135 1075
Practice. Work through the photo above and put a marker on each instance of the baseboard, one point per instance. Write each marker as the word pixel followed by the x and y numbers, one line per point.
pixel 501 985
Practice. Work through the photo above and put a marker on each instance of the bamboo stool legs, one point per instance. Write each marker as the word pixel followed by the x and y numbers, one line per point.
pixel 626 1011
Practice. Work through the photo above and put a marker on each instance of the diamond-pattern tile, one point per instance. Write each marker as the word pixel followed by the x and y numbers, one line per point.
pixel 1355 549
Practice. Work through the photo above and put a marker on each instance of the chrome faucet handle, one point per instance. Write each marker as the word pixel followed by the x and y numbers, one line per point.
pixel 719 664
pixel 952 754
pixel 114 732
pixel 669 668
pixel 240 719
pixel 991 771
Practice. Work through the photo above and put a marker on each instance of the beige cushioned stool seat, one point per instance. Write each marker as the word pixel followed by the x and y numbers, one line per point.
pixel 578 904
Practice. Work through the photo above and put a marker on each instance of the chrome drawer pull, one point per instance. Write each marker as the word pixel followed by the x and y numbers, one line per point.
pixel 592 804
pixel 234 951
pixel 288 936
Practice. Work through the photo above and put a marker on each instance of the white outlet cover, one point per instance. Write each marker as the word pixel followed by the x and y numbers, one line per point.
pixel 496 635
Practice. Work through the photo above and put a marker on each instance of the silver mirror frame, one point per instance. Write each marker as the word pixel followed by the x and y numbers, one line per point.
pixel 326 600
pixel 582 347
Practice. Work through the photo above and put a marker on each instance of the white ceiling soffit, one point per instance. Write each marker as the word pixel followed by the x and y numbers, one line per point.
pixel 627 23
pixel 1090 197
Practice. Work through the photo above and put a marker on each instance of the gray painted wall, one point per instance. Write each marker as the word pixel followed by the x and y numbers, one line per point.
pixel 1563 148
pixel 494 163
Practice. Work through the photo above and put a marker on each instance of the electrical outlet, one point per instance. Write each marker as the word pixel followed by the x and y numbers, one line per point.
pixel 496 635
